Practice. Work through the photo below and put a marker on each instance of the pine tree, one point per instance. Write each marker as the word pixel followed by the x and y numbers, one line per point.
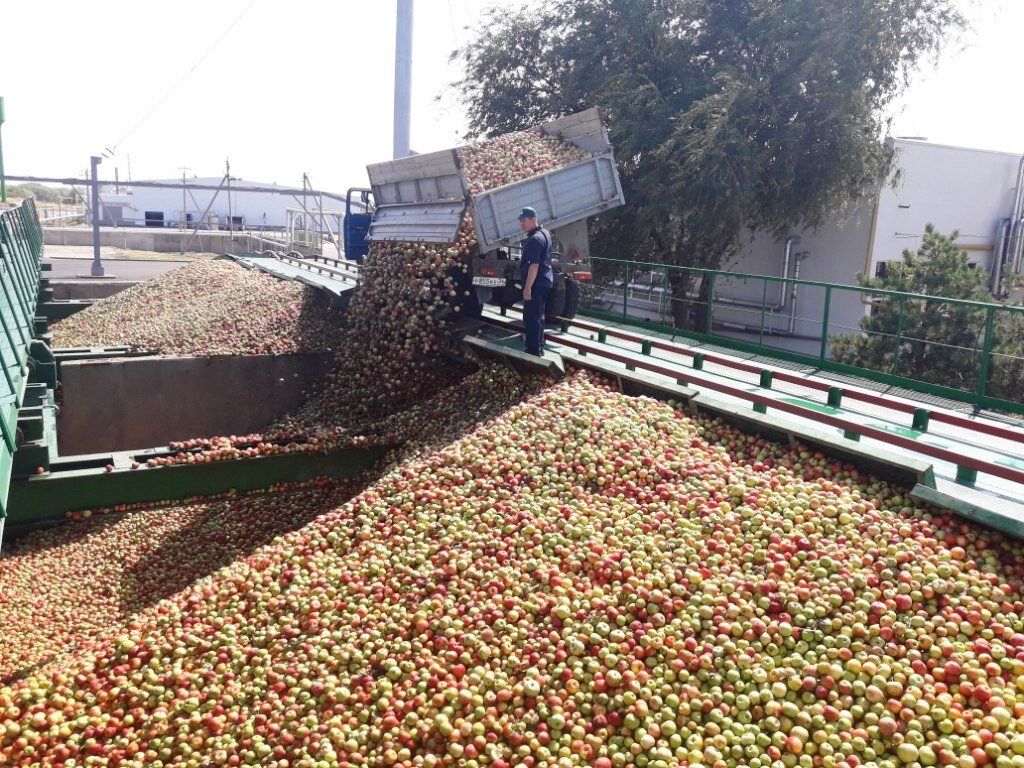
pixel 930 340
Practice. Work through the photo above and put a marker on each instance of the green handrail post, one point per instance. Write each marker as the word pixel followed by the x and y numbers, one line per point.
pixel 625 294
pixel 3 178
pixel 711 304
pixel 835 397
pixel 824 323
pixel 764 301
pixel 899 339
pixel 986 353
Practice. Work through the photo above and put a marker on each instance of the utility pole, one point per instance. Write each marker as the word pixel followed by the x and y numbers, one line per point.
pixel 97 265
pixel 231 220
pixel 3 179
pixel 184 207
pixel 403 79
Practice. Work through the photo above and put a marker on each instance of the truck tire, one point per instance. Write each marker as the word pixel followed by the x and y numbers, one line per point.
pixel 572 298
pixel 508 296
pixel 555 304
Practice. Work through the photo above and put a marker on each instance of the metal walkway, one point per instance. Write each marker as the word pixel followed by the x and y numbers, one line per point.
pixel 338 277
pixel 977 459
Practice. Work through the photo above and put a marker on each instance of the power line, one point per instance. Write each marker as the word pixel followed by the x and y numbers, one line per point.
pixel 451 18
pixel 185 77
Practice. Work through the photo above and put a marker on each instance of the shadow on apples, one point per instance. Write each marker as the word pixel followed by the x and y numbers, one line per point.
pixel 221 533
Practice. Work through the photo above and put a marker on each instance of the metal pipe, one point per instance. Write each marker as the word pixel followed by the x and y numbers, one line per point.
pixel 97 265
pixel 796 288
pixel 1016 249
pixel 999 257
pixel 781 305
pixel 403 79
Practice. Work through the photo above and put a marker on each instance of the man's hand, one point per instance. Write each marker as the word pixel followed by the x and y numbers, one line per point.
pixel 531 276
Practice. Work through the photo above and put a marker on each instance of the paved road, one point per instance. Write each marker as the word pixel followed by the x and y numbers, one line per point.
pixel 130 271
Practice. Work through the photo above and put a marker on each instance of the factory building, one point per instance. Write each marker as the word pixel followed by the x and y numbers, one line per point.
pixel 971 191
pixel 209 202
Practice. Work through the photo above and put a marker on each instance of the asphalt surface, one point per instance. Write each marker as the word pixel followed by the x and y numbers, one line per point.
pixel 124 270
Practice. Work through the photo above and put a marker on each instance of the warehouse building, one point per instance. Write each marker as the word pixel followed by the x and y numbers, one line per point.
pixel 209 202
pixel 974 192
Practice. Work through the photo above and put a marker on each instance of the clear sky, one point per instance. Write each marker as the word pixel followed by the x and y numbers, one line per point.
pixel 306 86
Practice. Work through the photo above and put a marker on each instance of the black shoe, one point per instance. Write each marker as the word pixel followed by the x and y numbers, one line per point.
pixel 535 354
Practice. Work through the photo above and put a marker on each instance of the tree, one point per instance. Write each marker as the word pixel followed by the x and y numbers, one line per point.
pixel 930 340
pixel 1006 369
pixel 725 114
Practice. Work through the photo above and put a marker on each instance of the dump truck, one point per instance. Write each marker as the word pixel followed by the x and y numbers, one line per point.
pixel 423 198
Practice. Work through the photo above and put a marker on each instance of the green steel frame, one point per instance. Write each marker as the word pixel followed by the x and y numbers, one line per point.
pixel 21 251
pixel 607 273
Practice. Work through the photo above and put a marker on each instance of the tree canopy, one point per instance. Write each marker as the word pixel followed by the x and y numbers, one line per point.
pixel 725 114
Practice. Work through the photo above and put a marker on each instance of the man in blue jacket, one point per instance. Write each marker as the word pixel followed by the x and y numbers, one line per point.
pixel 537 277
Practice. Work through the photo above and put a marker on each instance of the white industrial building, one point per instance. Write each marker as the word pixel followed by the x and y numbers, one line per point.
pixel 974 192
pixel 209 202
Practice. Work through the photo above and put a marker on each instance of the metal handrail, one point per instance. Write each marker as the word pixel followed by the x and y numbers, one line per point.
pixel 627 285
pixel 644 265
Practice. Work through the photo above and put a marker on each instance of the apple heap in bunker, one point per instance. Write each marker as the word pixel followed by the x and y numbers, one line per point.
pixel 586 579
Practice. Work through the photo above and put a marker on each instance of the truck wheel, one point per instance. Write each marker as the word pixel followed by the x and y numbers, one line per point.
pixel 555 304
pixel 572 298
pixel 508 296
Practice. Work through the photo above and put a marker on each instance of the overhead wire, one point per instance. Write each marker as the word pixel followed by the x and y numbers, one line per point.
pixel 184 77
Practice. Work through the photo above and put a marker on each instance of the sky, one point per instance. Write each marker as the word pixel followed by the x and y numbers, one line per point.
pixel 306 86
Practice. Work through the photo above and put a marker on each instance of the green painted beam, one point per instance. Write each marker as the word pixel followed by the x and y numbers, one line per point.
pixel 507 351
pixel 81 482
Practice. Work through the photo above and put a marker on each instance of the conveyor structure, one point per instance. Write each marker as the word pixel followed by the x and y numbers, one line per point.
pixel 970 462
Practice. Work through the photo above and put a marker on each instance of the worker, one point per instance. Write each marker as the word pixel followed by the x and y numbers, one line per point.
pixel 537 277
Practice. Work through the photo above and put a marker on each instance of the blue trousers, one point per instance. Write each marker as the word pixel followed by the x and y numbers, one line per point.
pixel 533 318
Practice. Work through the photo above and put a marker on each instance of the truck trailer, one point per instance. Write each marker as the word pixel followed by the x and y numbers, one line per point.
pixel 424 198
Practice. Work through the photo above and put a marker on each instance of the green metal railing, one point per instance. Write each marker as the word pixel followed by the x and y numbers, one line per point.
pixel 967 351
pixel 21 250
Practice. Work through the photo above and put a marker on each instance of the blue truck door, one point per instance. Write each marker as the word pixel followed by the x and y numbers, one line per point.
pixel 358 216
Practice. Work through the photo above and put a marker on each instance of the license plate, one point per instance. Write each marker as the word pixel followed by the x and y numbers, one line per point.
pixel 489 282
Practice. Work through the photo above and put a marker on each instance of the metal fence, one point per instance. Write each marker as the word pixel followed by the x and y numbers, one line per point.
pixel 964 350
pixel 21 249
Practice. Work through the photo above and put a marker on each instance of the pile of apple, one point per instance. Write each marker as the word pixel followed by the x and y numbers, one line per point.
pixel 206 308
pixel 513 157
pixel 387 358
pixel 587 579
pixel 60 587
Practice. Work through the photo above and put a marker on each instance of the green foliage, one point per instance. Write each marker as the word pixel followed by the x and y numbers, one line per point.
pixel 1006 371
pixel 725 115
pixel 41 192
pixel 930 340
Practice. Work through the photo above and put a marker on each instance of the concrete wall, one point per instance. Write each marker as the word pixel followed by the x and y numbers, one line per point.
pixel 954 188
pixel 149 239
pixel 833 254
pixel 88 289
pixel 142 402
